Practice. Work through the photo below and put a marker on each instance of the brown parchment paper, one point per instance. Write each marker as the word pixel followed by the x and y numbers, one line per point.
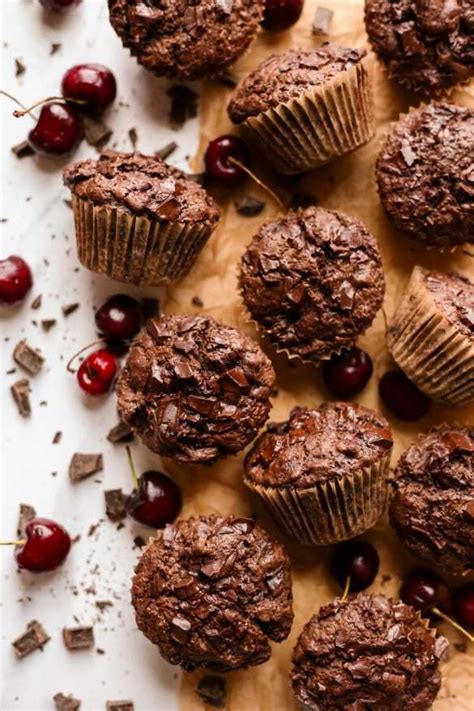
pixel 347 184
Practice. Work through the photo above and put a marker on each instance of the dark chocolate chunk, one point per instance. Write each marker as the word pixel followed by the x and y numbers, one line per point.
pixel 57 437
pixel 120 433
pixel 115 501
pixel 66 702
pixel 26 514
pixel 23 149
pixel 96 132
pixel 69 309
pixel 120 706
pixel 249 206
pixel 36 303
pixel 183 103
pixel 78 637
pixel 28 358
pixel 34 638
pixel 212 690
pixel 47 324
pixel 322 21
pixel 84 465
pixel 167 150
pixel 21 394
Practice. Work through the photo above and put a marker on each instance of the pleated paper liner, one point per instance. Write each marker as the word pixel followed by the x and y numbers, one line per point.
pixel 331 511
pixel 135 249
pixel 436 356
pixel 323 124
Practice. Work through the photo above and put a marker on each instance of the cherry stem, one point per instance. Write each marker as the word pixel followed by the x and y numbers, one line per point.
pixel 271 192
pixel 453 623
pixel 132 467
pixel 12 543
pixel 99 341
pixel 346 589
pixel 12 98
pixel 19 114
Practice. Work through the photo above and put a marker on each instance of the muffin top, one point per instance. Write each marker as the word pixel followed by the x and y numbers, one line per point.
pixel 186 38
pixel 141 185
pixel 313 280
pixel 212 592
pixel 432 507
pixel 367 653
pixel 425 175
pixel 285 76
pixel 453 294
pixel 194 389
pixel 315 446
pixel 427 44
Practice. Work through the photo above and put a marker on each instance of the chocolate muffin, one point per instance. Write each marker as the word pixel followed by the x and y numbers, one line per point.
pixel 323 473
pixel 432 507
pixel 187 39
pixel 194 389
pixel 424 174
pixel 427 45
pixel 307 106
pixel 138 219
pixel 213 592
pixel 367 653
pixel 431 335
pixel 313 281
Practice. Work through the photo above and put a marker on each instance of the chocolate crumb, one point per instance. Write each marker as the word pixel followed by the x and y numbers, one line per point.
pixel 96 132
pixel 120 706
pixel 197 301
pixel 21 394
pixel 57 437
pixel 183 103
pixel 212 690
pixel 55 47
pixel 78 637
pixel 103 605
pixel 34 638
pixel 322 21
pixel 249 206
pixel 133 136
pixel 69 309
pixel 23 149
pixel 100 651
pixel 167 150
pixel 36 303
pixel 26 514
pixel 68 203
pixel 28 358
pixel 120 433
pixel 115 501
pixel 84 465
pixel 47 324
pixel 20 68
pixel 66 702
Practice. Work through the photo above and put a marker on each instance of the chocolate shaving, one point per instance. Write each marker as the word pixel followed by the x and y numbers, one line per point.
pixel 36 303
pixel 23 149
pixel 57 437
pixel 20 68
pixel 34 638
pixel 180 629
pixel 84 465
pixel 47 324
pixel 69 309
pixel 212 690
pixel 197 301
pixel 115 501
pixel 322 20
pixel 249 206
pixel 28 358
pixel 96 132
pixel 183 103
pixel 167 150
pixel 26 514
pixel 66 702
pixel 120 433
pixel 21 394
pixel 55 47
pixel 78 637
pixel 409 156
pixel 133 136
pixel 120 706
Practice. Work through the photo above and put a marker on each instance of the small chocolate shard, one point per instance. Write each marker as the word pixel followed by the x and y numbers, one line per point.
pixel 440 647
pixel 26 514
pixel 120 433
pixel 21 395
pixel 96 132
pixel 120 705
pixel 55 47
pixel 184 104
pixel 167 150
pixel 409 156
pixel 249 206
pixel 212 689
pixel 69 309
pixel 103 604
pixel 34 638
pixel 197 301
pixel 84 465
pixel 133 136
pixel 115 501
pixel 20 67
pixel 28 358
pixel 36 303
pixel 322 21
pixel 47 324
pixel 23 149
pixel 57 437
pixel 180 629
pixel 78 637
pixel 66 702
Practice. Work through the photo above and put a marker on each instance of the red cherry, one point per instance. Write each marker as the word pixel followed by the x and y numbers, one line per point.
pixel 58 5
pixel 423 589
pixel 119 318
pixel 402 397
pixel 92 83
pixel 47 545
pixel 357 560
pixel 218 165
pixel 463 605
pixel 156 501
pixel 97 372
pixel 15 279
pixel 279 15
pixel 348 373
pixel 58 130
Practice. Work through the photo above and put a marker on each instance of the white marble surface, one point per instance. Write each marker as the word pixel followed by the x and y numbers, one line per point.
pixel 37 225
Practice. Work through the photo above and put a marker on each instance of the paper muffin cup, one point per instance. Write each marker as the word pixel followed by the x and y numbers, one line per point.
pixel 433 354
pixel 135 249
pixel 329 121
pixel 331 511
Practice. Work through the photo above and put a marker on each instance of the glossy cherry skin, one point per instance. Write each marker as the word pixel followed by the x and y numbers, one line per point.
pixel 15 279
pixel 358 560
pixel 46 546
pixel 424 589
pixel 58 130
pixel 119 318
pixel 156 502
pixel 97 372
pixel 463 605
pixel 92 83
pixel 402 397
pixel 59 5
pixel 348 373
pixel 218 165
pixel 279 15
